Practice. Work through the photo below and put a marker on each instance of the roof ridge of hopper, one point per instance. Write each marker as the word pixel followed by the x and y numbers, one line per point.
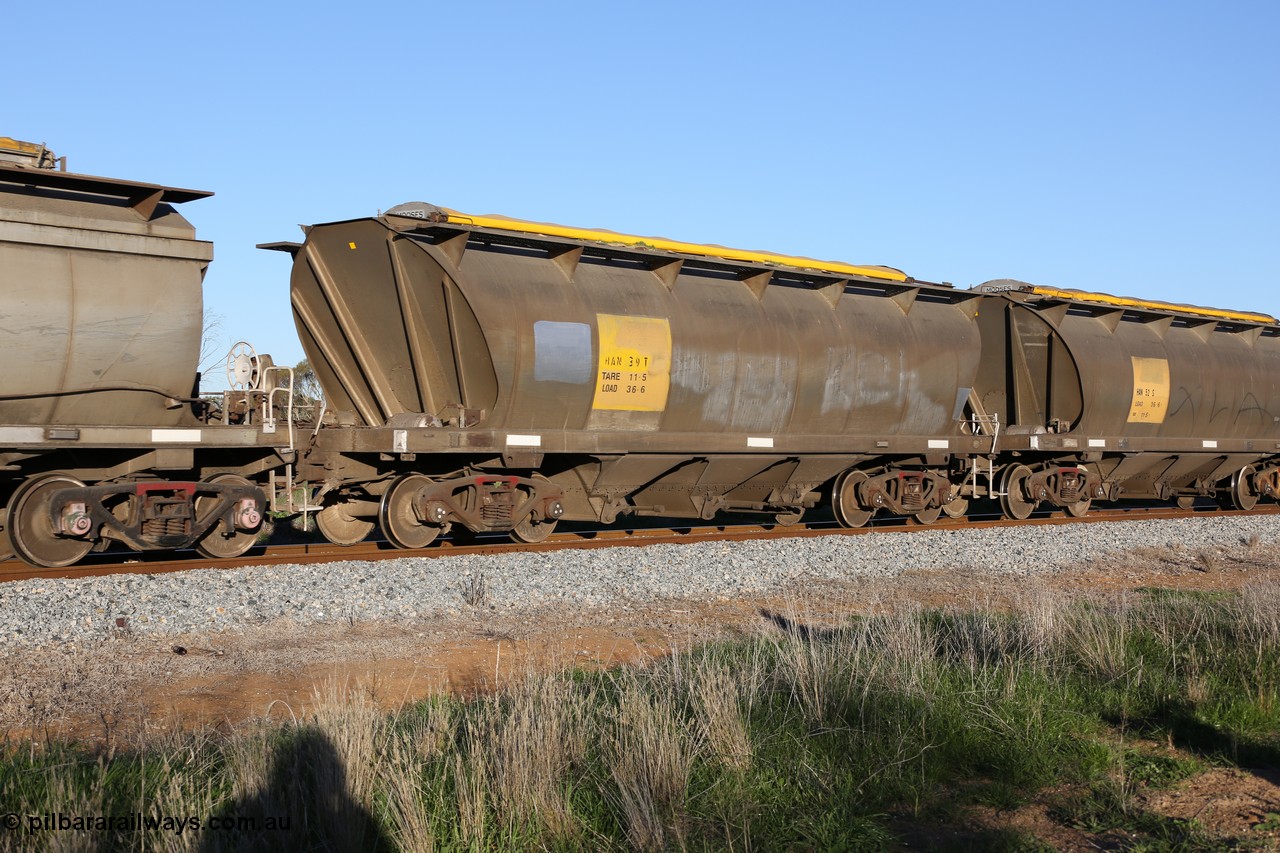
pixel 1065 294
pixel 142 197
pixel 445 215
pixel 1152 305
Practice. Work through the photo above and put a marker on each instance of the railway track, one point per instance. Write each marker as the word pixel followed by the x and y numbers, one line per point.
pixel 323 552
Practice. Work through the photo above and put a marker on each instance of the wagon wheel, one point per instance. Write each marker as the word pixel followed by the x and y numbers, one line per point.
pixel 30 524
pixel 339 528
pixel 530 531
pixel 957 508
pixel 399 523
pixel 1014 502
pixel 219 543
pixel 926 516
pixel 1080 508
pixel 6 547
pixel 1241 495
pixel 789 518
pixel 844 500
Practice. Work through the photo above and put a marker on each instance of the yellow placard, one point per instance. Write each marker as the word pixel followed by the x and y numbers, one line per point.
pixel 634 373
pixel 1150 390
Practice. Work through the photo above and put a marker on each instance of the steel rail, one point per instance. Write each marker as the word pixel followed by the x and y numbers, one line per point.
pixel 324 552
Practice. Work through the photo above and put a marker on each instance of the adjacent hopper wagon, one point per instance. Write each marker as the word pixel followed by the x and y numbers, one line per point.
pixel 103 436
pixel 1096 396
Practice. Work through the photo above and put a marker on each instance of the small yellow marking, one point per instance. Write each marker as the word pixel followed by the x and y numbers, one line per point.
pixel 634 373
pixel 1150 390
pixel 352 245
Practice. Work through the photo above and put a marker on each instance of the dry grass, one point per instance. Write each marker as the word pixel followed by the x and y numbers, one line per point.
pixel 531 735
pixel 408 814
pixel 471 793
pixel 816 660
pixel 722 699
pixel 474 590
pixel 1098 636
pixel 1208 560
pixel 182 782
pixel 624 757
pixel 1258 614
pixel 650 757
pixel 352 723
pixel 39 698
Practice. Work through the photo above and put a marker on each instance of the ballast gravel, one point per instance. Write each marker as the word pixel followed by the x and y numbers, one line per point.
pixel 79 611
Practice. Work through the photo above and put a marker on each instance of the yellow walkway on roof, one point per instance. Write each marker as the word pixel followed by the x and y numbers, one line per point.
pixel 1126 302
pixel 662 244
pixel 8 143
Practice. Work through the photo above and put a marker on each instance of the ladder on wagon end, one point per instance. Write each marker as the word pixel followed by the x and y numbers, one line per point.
pixel 980 423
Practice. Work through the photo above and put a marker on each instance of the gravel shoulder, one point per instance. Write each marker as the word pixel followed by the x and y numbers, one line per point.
pixel 87 611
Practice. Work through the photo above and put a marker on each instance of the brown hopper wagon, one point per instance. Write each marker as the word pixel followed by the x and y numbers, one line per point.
pixel 505 374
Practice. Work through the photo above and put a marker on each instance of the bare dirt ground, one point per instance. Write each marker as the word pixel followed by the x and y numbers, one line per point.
pixel 134 686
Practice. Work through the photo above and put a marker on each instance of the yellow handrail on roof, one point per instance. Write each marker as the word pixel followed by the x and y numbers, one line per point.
pixel 662 244
pixel 1126 302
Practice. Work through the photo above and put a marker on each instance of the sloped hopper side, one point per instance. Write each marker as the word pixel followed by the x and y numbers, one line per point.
pixel 385 329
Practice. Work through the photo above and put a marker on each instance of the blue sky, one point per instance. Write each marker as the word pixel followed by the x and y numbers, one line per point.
pixel 1123 147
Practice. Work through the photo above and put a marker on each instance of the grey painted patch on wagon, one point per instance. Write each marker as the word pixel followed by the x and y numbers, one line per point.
pixel 562 352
